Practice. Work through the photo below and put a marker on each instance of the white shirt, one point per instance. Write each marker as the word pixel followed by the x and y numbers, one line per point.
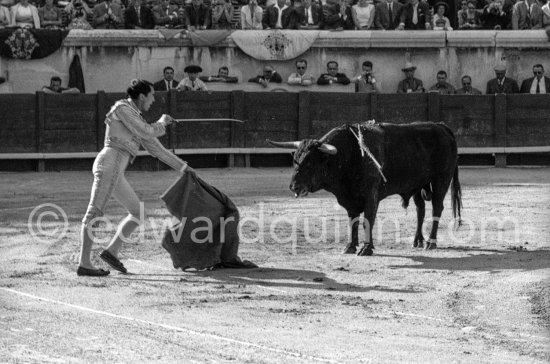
pixel 415 14
pixel 309 16
pixel 542 86
pixel 279 24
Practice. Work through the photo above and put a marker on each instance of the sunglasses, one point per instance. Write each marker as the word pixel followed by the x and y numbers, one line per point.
pixel 300 68
pixel 537 73
pixel 466 83
pixel 333 69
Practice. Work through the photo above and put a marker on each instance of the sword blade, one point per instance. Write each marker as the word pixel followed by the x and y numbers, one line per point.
pixel 216 119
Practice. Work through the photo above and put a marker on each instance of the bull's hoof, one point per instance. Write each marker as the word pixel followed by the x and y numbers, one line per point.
pixel 365 251
pixel 350 249
pixel 418 244
pixel 431 245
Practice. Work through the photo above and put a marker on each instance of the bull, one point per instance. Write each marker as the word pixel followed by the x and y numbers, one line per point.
pixel 417 160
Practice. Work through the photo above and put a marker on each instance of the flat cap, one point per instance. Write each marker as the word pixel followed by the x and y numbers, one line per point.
pixel 192 69
pixel 500 68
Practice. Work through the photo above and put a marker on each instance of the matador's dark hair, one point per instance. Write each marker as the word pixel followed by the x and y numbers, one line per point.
pixel 137 87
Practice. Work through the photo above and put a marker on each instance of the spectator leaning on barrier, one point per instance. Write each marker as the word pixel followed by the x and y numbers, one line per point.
pixel 278 16
pixel 25 15
pixel 222 76
pixel 494 16
pixel 251 16
pixel 108 15
pixel 538 84
pixel 467 88
pixel 50 15
pixel 415 15
pixel 501 84
pixel 366 82
pixel 165 14
pixel 300 77
pixel 363 14
pixel 469 18
pixel 410 84
pixel 191 82
pixel 139 16
pixel 333 76
pixel 78 12
pixel 439 20
pixel 198 16
pixel 309 15
pixel 55 87
pixel 442 86
pixel 4 17
pixel 526 14
pixel 387 14
pixel 168 82
pixel 269 75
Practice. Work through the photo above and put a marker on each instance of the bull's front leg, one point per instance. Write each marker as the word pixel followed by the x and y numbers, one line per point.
pixel 371 207
pixel 351 248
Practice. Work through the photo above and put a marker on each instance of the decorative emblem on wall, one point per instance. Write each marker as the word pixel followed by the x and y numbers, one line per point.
pixel 22 43
pixel 277 43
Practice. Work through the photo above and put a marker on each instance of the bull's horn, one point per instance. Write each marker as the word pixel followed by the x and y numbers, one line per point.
pixel 293 145
pixel 328 149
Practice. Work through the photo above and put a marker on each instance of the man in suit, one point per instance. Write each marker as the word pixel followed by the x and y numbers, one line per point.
pixel 467 88
pixel 139 16
pixel 198 16
pixel 278 16
pixel 338 15
pixel 526 14
pixel 501 84
pixel 539 84
pixel 410 84
pixel 415 16
pixel 309 15
pixel 107 15
pixel 165 14
pixel 168 82
pixel 333 76
pixel 387 14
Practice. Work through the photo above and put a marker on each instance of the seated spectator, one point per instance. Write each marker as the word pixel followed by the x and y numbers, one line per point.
pixel 139 16
pixel 366 82
pixel 387 14
pixel 222 14
pixel 442 86
pixel 55 87
pixel 78 12
pixel 25 15
pixel 439 20
pixel 165 14
pixel 251 16
pixel 526 14
pixel 501 84
pixel 2 80
pixel 268 76
pixel 107 15
pixel 300 77
pixel 546 15
pixel 198 16
pixel 467 88
pixel 4 17
pixel 50 16
pixel 410 84
pixel 494 16
pixel 469 16
pixel 191 82
pixel 415 15
pixel 363 14
pixel 538 84
pixel 222 76
pixel 272 20
pixel 309 15
pixel 338 15
pixel 332 75
pixel 168 82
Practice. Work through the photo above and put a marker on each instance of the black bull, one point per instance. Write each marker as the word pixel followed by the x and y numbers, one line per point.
pixel 418 160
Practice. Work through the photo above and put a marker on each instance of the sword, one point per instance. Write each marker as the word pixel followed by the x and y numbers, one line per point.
pixel 219 119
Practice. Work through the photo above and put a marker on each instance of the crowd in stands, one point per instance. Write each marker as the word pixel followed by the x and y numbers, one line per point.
pixel 277 14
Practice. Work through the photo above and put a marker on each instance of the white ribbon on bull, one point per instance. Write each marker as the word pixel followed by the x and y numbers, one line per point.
pixel 364 149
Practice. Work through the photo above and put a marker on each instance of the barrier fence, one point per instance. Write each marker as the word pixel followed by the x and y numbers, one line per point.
pixel 42 127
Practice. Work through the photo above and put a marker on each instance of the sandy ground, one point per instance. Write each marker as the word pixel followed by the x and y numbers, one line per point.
pixel 483 296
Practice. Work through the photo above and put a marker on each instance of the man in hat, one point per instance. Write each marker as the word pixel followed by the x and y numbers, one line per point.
pixel 467 88
pixel 442 86
pixel 410 84
pixel 168 82
pixel 415 16
pixel 501 84
pixel 538 84
pixel 191 82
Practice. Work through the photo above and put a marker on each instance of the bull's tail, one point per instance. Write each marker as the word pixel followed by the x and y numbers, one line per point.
pixel 456 197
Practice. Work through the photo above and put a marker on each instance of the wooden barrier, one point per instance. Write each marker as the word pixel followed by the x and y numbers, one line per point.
pixel 43 126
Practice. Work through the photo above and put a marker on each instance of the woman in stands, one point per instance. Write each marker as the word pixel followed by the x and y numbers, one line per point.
pixel 440 21
pixel 50 15
pixel 126 131
pixel 363 14
pixel 78 12
pixel 25 15
pixel 222 14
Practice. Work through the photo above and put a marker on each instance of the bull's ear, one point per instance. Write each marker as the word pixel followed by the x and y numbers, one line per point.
pixel 328 149
pixel 293 145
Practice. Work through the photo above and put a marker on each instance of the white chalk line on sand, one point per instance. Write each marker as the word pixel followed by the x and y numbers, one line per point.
pixel 170 327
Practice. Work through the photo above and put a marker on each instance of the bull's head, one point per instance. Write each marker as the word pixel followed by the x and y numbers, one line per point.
pixel 310 164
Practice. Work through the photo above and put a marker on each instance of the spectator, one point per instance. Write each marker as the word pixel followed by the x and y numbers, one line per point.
pixel 50 16
pixel 442 86
pixel 332 75
pixel 25 15
pixel 337 15
pixel 139 16
pixel 55 87
pixel 78 12
pixel 268 76
pixel 469 16
pixel 386 14
pixel 165 14
pixel 4 17
pixel 415 15
pixel 439 20
pixel 222 14
pixel 526 14
pixel 363 14
pixel 223 76
pixel 191 82
pixel 467 88
pixel 538 84
pixel 310 15
pixel 168 82
pixel 198 16
pixel 2 80
pixel 495 17
pixel 410 84
pixel 501 84
pixel 546 15
pixel 251 16
pixel 278 16
pixel 366 82
pixel 107 15
pixel 300 77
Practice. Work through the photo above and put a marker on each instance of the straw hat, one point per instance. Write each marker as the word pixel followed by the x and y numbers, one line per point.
pixel 408 66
